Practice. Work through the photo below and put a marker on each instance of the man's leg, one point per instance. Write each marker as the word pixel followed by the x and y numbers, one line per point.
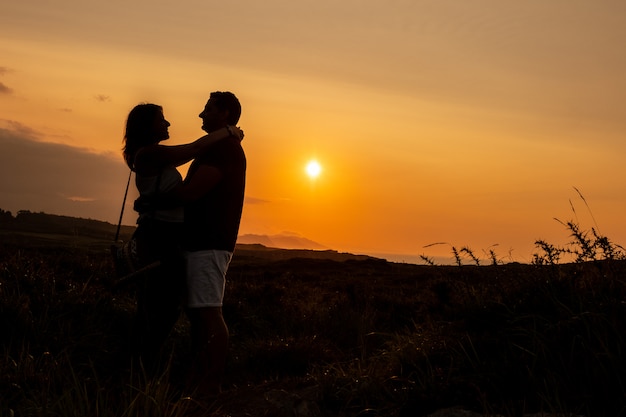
pixel 209 336
pixel 206 281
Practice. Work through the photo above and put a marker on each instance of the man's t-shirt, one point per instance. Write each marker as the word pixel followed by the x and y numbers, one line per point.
pixel 212 222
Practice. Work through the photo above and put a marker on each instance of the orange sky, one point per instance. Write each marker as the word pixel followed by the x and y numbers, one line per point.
pixel 434 121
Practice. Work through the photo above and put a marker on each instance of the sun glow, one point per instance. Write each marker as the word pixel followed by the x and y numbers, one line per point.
pixel 313 169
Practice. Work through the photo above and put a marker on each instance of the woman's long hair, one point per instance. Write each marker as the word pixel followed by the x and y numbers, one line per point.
pixel 139 130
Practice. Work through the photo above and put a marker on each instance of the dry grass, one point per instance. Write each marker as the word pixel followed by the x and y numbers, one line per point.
pixel 353 337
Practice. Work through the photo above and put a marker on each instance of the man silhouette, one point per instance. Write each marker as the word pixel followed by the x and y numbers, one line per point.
pixel 214 187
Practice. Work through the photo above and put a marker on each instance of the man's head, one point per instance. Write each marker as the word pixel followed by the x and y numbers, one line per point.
pixel 222 109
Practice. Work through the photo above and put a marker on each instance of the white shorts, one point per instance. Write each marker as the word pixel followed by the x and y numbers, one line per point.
pixel 206 277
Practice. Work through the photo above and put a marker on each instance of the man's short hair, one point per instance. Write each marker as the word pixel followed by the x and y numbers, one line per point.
pixel 225 100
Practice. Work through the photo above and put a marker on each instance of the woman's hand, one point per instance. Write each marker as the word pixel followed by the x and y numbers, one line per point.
pixel 236 131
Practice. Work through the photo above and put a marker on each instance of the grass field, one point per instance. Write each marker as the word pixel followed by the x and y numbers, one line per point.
pixel 320 337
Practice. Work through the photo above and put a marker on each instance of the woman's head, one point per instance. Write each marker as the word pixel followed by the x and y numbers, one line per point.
pixel 145 125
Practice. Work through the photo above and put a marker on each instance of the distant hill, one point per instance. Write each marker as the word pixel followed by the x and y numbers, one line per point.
pixel 26 221
pixel 30 229
pixel 250 252
pixel 282 240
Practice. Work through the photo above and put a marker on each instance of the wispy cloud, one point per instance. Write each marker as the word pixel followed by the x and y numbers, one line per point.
pixel 254 200
pixel 102 98
pixel 18 130
pixel 5 90
pixel 60 179
pixel 80 199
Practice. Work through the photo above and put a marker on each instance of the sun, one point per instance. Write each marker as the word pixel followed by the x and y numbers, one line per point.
pixel 313 169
